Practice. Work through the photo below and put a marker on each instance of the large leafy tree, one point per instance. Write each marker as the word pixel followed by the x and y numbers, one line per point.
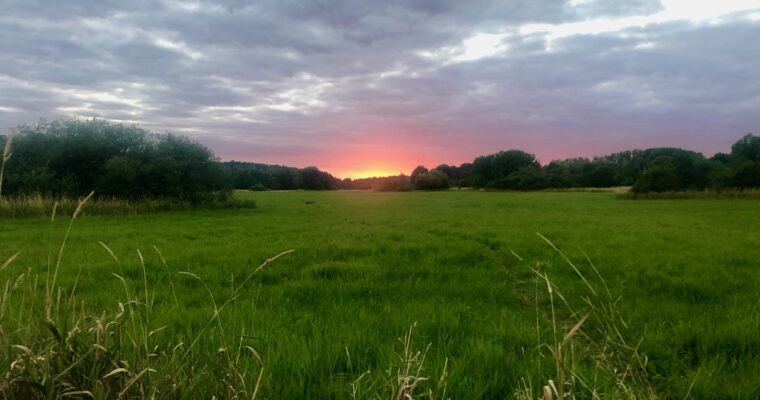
pixel 72 158
pixel 747 148
pixel 490 169
pixel 418 172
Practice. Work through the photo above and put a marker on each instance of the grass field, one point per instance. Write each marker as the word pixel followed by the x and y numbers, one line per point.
pixel 368 266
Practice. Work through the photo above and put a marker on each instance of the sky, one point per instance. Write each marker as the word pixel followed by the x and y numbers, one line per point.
pixel 361 88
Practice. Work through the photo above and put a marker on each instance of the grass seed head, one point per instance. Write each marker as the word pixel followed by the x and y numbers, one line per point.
pixel 7 147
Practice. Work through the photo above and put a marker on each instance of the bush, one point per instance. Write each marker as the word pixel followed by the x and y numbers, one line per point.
pixel 71 158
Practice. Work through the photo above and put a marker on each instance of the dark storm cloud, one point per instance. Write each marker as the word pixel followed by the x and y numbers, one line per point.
pixel 302 82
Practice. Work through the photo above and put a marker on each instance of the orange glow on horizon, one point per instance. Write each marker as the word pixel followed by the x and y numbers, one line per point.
pixel 380 158
pixel 368 173
pixel 373 163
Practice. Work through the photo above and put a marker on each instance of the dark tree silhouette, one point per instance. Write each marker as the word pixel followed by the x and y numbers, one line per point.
pixel 72 158
pixel 417 172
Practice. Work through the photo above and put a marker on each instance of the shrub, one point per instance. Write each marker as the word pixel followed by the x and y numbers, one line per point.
pixel 72 158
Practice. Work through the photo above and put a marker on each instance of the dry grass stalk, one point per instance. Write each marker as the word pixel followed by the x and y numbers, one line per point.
pixel 9 261
pixel 405 380
pixel 596 335
pixel 6 157
pixel 409 375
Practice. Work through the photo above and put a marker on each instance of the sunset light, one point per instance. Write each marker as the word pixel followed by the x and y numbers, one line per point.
pixel 370 173
pixel 351 199
pixel 357 98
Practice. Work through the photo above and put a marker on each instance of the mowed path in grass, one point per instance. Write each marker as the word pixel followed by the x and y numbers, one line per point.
pixel 367 266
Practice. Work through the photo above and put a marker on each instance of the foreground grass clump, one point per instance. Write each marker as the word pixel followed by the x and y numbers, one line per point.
pixel 682 274
pixel 40 206
pixel 54 345
pixel 591 334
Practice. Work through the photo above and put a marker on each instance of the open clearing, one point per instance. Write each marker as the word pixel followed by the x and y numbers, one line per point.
pixel 367 266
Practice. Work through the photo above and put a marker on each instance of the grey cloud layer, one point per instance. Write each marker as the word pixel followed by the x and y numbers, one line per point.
pixel 295 80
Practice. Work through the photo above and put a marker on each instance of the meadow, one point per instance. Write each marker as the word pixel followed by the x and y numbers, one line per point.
pixel 464 271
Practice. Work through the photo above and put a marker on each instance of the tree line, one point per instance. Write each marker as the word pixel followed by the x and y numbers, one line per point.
pixel 652 170
pixel 73 157
pixel 257 177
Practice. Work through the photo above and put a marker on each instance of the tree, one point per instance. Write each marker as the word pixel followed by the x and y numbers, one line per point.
pixel 747 148
pixel 721 158
pixel 721 176
pixel 73 157
pixel 599 174
pixel 671 169
pixel 747 176
pixel 433 180
pixel 526 178
pixel 120 177
pixel 458 176
pixel 420 170
pixel 449 170
pixel 277 177
pixel 488 170
pixel 314 179
pixel 568 173
pixel 400 183
pixel 658 178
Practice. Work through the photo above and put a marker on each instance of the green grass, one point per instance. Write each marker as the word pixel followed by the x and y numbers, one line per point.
pixel 694 194
pixel 368 266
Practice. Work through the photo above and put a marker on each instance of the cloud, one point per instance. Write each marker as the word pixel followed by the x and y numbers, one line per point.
pixel 338 83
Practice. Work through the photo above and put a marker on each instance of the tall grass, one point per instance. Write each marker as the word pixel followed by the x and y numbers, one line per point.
pixel 583 347
pixel 593 332
pixel 39 206
pixel 56 346
pixel 404 380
